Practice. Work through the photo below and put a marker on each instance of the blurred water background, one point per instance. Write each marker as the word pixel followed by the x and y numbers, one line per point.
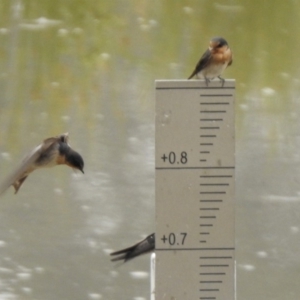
pixel 88 68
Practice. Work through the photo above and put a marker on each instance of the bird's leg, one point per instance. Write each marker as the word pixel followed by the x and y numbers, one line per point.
pixel 222 79
pixel 207 80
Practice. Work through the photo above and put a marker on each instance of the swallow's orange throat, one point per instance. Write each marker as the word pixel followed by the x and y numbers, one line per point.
pixel 222 55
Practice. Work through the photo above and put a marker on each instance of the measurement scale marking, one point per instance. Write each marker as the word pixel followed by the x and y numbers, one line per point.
pixel 210 281
pixel 216 176
pixel 209 290
pixel 213 193
pixel 214 184
pixel 214 103
pixel 214 266
pixel 205 120
pixel 213 111
pixel 209 274
pixel 215 95
pixel 210 127
pixel 215 257
pixel 194 249
pixel 210 208
pixel 196 88
pixel 207 298
pixel 193 168
pixel 209 200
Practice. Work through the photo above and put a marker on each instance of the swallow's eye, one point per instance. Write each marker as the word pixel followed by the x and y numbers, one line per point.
pixel 219 45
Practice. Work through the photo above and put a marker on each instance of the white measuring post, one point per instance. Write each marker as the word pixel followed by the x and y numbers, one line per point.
pixel 194 182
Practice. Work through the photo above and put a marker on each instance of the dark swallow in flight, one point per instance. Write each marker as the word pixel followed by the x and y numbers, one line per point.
pixel 214 61
pixel 53 151
pixel 142 247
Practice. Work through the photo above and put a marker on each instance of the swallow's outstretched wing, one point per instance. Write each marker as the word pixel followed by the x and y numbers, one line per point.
pixel 19 175
pixel 142 247
pixel 22 169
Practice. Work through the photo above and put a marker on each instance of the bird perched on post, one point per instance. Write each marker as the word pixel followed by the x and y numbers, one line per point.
pixel 214 61
pixel 142 247
pixel 51 152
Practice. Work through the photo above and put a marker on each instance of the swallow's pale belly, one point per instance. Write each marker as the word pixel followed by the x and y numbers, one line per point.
pixel 212 71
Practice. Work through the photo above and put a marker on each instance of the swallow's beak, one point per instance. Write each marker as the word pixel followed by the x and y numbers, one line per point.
pixel 77 169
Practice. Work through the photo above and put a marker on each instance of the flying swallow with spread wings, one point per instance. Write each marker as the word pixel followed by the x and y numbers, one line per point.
pixel 51 152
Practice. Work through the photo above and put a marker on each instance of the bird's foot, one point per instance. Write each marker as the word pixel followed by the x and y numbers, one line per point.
pixel 222 79
pixel 207 81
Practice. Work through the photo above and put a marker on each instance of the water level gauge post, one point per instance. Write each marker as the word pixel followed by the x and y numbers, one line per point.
pixel 195 190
